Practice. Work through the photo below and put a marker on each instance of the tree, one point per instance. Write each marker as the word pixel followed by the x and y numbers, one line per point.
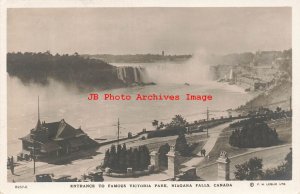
pixel 144 159
pixel 161 125
pixel 136 158
pixel 122 158
pixel 155 124
pixel 254 133
pixel 113 157
pixel 289 164
pixel 162 155
pixel 250 170
pixel 181 145
pixel 129 158
pixel 178 121
pixel 281 172
pixel 278 109
pixel 106 158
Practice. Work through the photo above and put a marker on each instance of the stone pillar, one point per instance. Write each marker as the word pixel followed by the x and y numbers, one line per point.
pixel 129 172
pixel 155 160
pixel 173 165
pixel 223 167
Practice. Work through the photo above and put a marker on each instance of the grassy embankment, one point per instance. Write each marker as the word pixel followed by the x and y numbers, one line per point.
pixel 279 95
pixel 284 133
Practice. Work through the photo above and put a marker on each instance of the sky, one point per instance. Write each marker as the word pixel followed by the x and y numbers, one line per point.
pixel 148 30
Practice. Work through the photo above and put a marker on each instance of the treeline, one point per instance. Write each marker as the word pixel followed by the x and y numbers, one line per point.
pixel 257 58
pixel 253 133
pixel 175 127
pixel 70 69
pixel 120 158
pixel 169 131
pixel 179 125
pixel 139 58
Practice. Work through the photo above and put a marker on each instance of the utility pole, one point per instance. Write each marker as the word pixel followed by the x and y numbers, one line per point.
pixel 38 107
pixel 207 114
pixel 207 118
pixel 118 130
pixel 291 103
pixel 33 136
pixel 33 156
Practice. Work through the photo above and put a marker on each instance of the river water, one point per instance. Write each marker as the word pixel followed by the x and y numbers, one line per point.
pixel 99 118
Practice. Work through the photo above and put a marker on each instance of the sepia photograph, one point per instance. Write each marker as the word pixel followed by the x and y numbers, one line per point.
pixel 149 94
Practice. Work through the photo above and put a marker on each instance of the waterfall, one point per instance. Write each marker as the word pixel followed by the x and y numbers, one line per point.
pixel 135 74
pixel 129 74
pixel 139 71
pixel 120 74
pixel 124 72
pixel 230 74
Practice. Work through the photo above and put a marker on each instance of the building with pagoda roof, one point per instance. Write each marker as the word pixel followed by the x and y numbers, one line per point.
pixel 55 139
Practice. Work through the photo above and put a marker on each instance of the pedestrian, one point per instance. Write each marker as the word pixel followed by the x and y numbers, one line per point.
pixel 12 167
pixel 204 151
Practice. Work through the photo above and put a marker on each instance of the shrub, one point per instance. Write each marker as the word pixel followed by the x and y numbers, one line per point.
pixel 250 170
pixel 122 158
pixel 254 134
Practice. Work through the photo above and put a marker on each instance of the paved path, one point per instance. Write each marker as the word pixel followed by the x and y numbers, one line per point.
pixel 210 143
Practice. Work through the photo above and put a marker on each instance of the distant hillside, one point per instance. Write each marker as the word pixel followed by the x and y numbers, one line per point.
pixel 279 95
pixel 83 72
pixel 139 58
pixel 257 58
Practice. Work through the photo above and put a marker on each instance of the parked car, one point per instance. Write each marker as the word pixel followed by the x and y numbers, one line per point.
pixel 94 176
pixel 43 178
pixel 64 178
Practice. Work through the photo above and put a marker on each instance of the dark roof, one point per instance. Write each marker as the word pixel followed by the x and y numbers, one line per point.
pixel 56 131
pixel 66 131
pixel 52 128
pixel 27 138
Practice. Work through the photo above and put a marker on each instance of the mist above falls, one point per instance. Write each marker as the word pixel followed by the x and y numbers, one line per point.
pixel 192 71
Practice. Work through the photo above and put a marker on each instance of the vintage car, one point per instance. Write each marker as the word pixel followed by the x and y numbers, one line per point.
pixel 43 178
pixel 64 178
pixel 94 176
